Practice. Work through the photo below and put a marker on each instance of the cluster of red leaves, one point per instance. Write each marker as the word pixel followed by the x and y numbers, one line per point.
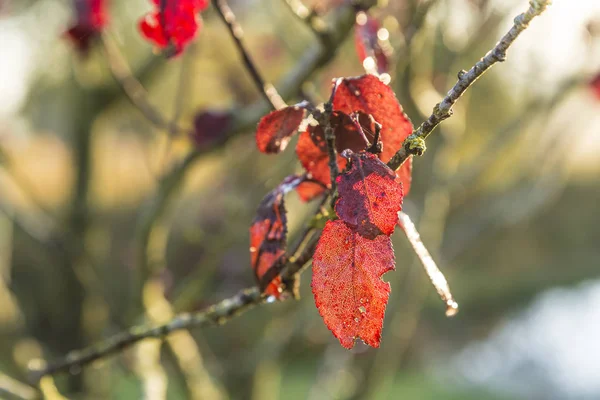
pixel 173 23
pixel 372 48
pixel 268 238
pixel 355 250
pixel 91 18
pixel 359 97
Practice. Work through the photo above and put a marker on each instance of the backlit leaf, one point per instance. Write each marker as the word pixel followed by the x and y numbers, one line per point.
pixel 276 128
pixel 369 196
pixel 268 236
pixel 173 23
pixel 371 96
pixel 312 149
pixel 349 292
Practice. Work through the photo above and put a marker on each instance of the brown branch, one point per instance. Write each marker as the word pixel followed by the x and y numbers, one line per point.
pixel 217 314
pixel 325 121
pixel 415 143
pixel 237 34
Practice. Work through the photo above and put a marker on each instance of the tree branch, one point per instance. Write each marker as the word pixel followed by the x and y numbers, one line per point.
pixel 237 34
pixel 217 314
pixel 246 299
pixel 415 143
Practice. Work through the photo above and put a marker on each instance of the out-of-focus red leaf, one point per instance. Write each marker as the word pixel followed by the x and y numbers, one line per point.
pixel 370 197
pixel 371 50
pixel 91 19
pixel 349 292
pixel 276 128
pixel 371 96
pixel 268 236
pixel 209 126
pixel 595 86
pixel 173 23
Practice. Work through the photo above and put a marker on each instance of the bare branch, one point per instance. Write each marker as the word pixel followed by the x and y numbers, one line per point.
pixel 237 34
pixel 216 314
pixel 433 272
pixel 415 143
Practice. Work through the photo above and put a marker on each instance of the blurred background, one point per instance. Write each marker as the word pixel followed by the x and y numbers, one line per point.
pixel 108 219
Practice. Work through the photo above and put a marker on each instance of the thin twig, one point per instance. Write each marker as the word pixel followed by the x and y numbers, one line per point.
pixel 132 88
pixel 325 121
pixel 237 34
pixel 415 143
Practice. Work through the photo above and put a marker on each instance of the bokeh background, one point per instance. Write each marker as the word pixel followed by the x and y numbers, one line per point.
pixel 506 198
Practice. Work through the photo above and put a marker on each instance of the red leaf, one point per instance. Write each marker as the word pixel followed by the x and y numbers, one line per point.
pixel 372 52
pixel 347 285
pixel 370 197
pixel 595 86
pixel 276 128
pixel 268 237
pixel 371 96
pixel 312 149
pixel 174 22
pixel 91 19
pixel 313 155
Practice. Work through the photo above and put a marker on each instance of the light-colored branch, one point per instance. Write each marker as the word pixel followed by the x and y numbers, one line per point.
pixel 433 272
pixel 415 143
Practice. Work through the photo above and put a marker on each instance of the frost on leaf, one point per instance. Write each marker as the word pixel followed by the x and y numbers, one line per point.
pixel 370 196
pixel 371 96
pixel 276 129
pixel 349 292
pixel 268 237
pixel 91 19
pixel 312 149
pixel 372 50
pixel 173 23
